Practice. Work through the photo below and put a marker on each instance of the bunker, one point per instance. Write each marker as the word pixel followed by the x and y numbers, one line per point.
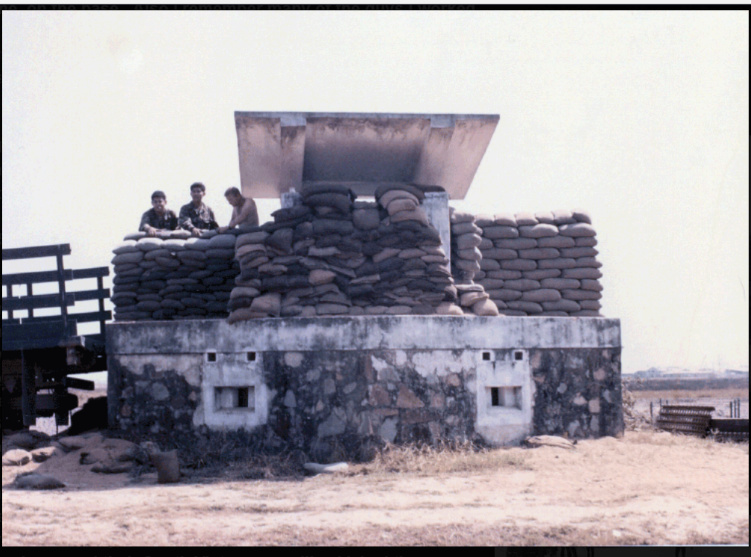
pixel 346 323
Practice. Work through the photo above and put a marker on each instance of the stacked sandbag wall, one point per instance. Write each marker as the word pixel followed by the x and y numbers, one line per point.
pixel 466 262
pixel 329 254
pixel 540 264
pixel 173 276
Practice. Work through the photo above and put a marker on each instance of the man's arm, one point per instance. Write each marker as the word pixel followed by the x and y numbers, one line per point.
pixel 183 221
pixel 146 225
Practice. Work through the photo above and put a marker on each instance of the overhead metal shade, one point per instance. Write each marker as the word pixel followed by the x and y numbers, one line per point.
pixel 279 151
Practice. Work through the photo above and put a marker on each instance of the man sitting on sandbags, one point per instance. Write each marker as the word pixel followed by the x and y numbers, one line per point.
pixel 158 217
pixel 196 215
pixel 244 211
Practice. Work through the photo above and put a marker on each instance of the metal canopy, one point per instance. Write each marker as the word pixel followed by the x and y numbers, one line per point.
pixel 284 150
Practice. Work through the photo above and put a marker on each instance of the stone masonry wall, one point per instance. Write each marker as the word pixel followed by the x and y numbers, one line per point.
pixel 577 392
pixel 341 404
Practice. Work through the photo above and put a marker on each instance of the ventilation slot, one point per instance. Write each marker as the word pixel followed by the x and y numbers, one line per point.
pixel 506 397
pixel 234 398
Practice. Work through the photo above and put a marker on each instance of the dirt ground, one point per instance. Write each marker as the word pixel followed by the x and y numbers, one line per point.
pixel 647 487
pixel 644 488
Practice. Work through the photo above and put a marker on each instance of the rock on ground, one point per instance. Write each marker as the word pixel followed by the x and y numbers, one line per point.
pixel 16 457
pixel 33 480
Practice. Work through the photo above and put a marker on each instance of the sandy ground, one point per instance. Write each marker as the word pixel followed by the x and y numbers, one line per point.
pixel 644 488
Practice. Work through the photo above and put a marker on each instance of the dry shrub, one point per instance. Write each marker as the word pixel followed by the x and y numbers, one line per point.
pixel 446 457
pixel 269 467
pixel 631 418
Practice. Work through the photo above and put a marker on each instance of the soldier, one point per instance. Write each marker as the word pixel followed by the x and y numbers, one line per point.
pixel 196 215
pixel 244 211
pixel 158 217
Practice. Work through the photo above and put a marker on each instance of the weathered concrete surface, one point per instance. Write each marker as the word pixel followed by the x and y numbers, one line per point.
pixel 510 419
pixel 361 333
pixel 282 150
pixel 436 207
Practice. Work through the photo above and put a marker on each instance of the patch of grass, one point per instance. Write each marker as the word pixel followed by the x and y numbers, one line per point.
pixel 445 458
pixel 494 534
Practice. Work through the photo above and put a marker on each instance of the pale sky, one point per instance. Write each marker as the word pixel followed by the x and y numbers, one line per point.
pixel 639 117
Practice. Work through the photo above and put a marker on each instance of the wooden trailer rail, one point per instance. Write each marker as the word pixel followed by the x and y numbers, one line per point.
pixel 56 330
pixel 39 351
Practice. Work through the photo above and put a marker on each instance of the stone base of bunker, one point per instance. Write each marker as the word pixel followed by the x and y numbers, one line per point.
pixel 337 388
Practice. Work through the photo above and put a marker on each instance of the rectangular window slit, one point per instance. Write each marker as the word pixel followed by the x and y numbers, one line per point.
pixel 251 356
pixel 231 398
pixel 506 397
pixel 519 355
pixel 211 356
pixel 242 397
pixel 486 356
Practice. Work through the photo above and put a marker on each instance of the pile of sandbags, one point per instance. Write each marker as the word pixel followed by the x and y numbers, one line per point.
pixel 416 270
pixel 333 255
pixel 173 276
pixel 540 264
pixel 466 263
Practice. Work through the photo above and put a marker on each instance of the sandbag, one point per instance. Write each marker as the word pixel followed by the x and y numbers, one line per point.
pixel 522 284
pixel 545 217
pixel 563 216
pixel 582 273
pixel 520 264
pixel 340 202
pixel 528 307
pixel 579 294
pixel 456 216
pixel 560 283
pixel 541 295
pixel 498 232
pixel 381 190
pixel 539 253
pixel 515 243
pixel 485 308
pixel 505 219
pixel 366 219
pixel 581 216
pixel 556 241
pixel 576 230
pixel 128 246
pixel 538 231
pixel 222 241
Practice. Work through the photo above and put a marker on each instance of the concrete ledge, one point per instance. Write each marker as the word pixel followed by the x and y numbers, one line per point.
pixel 404 332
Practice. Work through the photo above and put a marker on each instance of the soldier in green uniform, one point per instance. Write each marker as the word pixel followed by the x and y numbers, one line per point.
pixel 158 217
pixel 196 215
